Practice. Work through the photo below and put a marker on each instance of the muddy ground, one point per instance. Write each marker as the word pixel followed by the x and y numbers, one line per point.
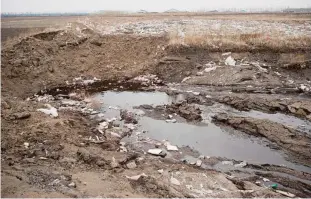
pixel 113 97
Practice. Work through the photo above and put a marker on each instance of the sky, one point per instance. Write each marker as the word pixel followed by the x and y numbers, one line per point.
pixel 149 5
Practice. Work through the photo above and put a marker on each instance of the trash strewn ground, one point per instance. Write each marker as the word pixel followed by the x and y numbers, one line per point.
pixel 124 107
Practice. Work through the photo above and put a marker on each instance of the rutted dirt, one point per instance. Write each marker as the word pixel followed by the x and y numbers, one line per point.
pixel 293 141
pixel 80 153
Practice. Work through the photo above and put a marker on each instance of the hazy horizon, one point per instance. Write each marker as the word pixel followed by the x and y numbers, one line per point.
pixel 42 6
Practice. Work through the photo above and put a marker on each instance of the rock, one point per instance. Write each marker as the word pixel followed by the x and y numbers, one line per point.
pixel 174 181
pixel 230 61
pixel 227 162
pixel 131 165
pixel 157 152
pixel 21 115
pixel 241 165
pixel 49 111
pixel 202 157
pixel 135 178
pixel 72 184
pixel 198 163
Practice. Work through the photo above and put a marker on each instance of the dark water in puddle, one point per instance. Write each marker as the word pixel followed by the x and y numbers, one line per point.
pixel 210 140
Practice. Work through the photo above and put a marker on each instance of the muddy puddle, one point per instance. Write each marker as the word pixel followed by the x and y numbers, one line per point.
pixel 204 137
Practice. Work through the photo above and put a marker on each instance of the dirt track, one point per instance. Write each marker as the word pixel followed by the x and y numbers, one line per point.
pixel 77 155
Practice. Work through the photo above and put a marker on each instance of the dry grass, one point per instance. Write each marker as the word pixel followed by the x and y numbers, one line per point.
pixel 252 41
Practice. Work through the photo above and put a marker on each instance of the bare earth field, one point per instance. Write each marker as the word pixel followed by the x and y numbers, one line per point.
pixel 183 105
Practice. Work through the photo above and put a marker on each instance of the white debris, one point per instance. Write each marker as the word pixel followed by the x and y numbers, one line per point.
pixel 171 121
pixel 277 73
pixel 155 151
pixel 68 102
pixel 45 98
pixel 285 193
pixel 49 111
pixel 26 145
pixel 225 54
pixel 202 157
pixel 115 134
pixel 304 88
pixel 160 171
pixel 230 61
pixel 130 126
pixel 174 181
pixel 261 69
pixel 139 112
pixel 170 116
pixel 113 107
pixel 200 73
pixel 207 70
pixel 227 162
pixel 265 179
pixel 196 93
pixel 136 177
pixel 185 79
pixel 198 163
pixel 123 149
pixel 131 165
pixel 72 184
pixel 170 147
pixel 242 164
pixel 103 125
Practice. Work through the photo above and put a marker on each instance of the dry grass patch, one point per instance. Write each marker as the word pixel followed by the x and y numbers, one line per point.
pixel 242 41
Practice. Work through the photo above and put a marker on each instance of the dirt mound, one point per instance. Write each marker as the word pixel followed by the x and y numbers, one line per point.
pixel 293 141
pixel 44 57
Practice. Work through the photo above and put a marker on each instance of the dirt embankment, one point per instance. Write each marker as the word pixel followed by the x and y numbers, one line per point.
pixel 49 59
pixel 297 144
pixel 298 107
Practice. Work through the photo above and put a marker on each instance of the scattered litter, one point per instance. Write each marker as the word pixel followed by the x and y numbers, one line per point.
pixel 26 145
pixel 174 181
pixel 230 61
pixel 113 107
pixel 225 54
pixel 123 149
pixel 130 126
pixel 198 163
pixel 171 121
pixel 131 165
pixel 265 179
pixel 114 163
pixel 202 157
pixel 304 88
pixel 227 162
pixel 285 193
pixel 160 171
pixel 242 164
pixel 49 111
pixel 274 186
pixel 136 177
pixel 157 152
pixel 72 184
pixel 208 96
pixel 200 73
pixel 170 147
pixel 43 158
pixel 185 79
pixel 207 70
pixel 261 69
pixel 277 73
pixel 196 93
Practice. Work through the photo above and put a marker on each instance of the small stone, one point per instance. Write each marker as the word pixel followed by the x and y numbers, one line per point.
pixel 241 165
pixel 202 157
pixel 170 147
pixel 131 165
pixel 200 73
pixel 265 179
pixel 21 115
pixel 171 121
